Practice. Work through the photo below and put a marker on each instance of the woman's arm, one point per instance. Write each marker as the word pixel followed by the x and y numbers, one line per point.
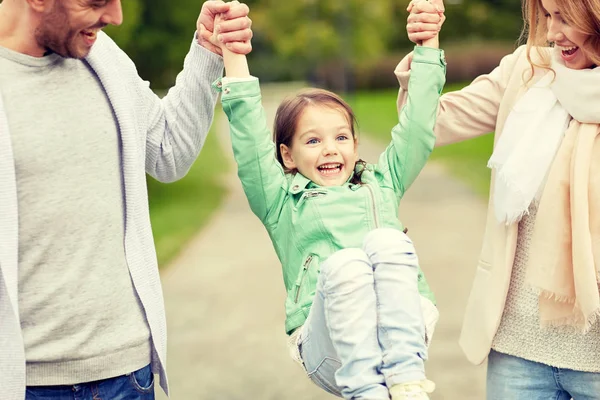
pixel 463 114
pixel 470 112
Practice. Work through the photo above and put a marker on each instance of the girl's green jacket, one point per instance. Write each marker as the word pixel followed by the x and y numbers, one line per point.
pixel 306 222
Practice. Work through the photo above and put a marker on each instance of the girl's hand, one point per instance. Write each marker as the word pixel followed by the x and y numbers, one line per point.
pixel 215 38
pixel 227 25
pixel 425 20
pixel 227 37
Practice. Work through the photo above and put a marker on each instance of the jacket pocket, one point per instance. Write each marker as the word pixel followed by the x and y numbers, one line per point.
pixel 304 280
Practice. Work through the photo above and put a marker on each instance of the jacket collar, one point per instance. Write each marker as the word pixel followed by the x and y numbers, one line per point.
pixel 299 183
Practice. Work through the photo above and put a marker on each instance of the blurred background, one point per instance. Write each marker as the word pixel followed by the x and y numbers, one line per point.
pixel 315 40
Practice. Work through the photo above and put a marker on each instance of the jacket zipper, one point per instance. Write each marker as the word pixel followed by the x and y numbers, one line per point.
pixel 375 217
pixel 304 273
pixel 310 195
pixel 314 194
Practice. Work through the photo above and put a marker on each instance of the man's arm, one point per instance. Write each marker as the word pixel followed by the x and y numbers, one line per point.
pixel 177 125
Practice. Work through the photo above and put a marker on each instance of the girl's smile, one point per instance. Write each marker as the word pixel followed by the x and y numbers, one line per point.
pixel 323 148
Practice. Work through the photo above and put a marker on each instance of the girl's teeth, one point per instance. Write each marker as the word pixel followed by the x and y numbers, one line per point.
pixel 330 168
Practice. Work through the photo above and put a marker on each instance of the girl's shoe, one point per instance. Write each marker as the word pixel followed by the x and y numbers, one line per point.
pixel 412 390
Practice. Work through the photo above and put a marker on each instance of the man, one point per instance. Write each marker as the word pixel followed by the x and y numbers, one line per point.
pixel 81 307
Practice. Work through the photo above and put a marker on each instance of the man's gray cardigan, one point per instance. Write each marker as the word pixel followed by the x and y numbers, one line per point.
pixel 159 137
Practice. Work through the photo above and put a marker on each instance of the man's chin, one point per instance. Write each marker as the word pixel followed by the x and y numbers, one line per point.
pixel 69 49
pixel 72 52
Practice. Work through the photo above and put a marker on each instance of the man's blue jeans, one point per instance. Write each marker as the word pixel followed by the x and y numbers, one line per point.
pixel 138 385
pixel 515 378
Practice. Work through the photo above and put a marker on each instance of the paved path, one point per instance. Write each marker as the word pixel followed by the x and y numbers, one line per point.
pixel 224 294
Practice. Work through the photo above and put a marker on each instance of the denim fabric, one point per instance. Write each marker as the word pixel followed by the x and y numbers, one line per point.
pixel 365 330
pixel 138 385
pixel 515 378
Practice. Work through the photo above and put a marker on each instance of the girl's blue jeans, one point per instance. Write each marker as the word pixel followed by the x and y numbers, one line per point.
pixel 365 331
pixel 515 378
pixel 138 385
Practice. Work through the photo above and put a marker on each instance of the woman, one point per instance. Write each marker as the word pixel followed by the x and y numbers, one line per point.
pixel 534 303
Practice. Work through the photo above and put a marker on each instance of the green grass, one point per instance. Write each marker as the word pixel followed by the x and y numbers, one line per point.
pixel 179 210
pixel 376 114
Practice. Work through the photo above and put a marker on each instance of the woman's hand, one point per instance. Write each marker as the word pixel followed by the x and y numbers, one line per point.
pixel 425 21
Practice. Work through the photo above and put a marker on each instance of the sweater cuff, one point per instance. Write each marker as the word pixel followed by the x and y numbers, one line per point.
pixel 202 59
pixel 402 72
pixel 403 78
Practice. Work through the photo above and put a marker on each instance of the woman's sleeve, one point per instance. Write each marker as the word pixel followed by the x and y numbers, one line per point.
pixel 472 111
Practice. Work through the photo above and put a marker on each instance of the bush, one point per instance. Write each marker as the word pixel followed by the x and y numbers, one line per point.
pixel 465 61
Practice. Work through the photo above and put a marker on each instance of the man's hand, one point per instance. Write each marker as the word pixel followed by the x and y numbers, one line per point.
pixel 425 20
pixel 234 30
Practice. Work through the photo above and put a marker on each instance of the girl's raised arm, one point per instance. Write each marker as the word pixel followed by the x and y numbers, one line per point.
pixel 262 177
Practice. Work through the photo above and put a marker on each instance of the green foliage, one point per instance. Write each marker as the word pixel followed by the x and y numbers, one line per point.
pixel 297 39
pixel 157 35
pixel 468 161
pixel 124 34
pixel 376 113
pixel 179 210
pixel 324 30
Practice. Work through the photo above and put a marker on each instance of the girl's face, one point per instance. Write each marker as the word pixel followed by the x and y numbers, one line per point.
pixel 566 38
pixel 323 148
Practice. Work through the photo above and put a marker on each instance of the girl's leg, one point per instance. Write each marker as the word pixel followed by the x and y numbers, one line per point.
pixel 338 343
pixel 401 326
pixel 515 378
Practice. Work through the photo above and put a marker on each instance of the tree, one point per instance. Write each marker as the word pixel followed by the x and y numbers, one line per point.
pixel 305 33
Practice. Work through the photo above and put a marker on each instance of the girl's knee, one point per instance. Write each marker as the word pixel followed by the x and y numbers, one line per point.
pixel 384 237
pixel 346 266
pixel 385 243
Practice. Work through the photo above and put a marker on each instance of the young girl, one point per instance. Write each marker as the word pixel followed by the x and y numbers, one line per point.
pixel 535 302
pixel 355 302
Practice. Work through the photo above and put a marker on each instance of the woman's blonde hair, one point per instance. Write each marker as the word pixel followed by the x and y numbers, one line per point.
pixel 582 15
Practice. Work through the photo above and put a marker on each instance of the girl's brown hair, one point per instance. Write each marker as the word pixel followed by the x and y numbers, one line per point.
pixel 583 15
pixel 290 110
